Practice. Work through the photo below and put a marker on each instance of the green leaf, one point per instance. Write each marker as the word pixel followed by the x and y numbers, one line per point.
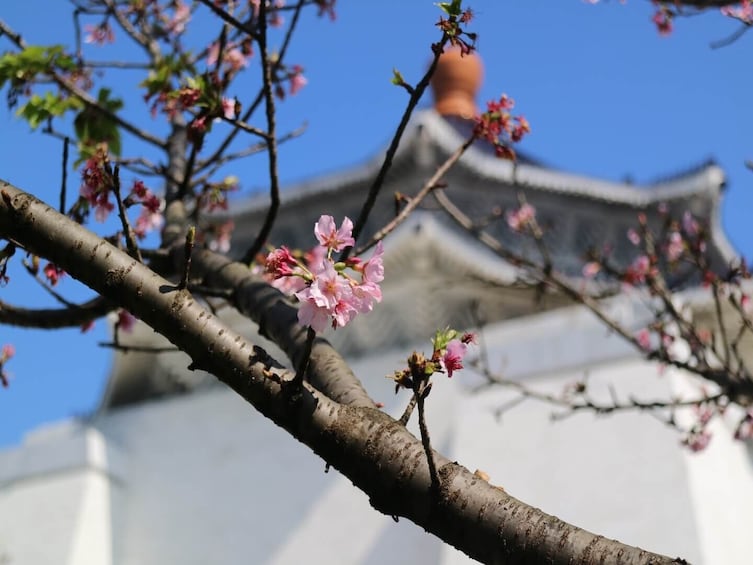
pixel 453 8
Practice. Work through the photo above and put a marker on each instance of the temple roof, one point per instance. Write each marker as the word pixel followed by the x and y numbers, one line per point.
pixel 437 274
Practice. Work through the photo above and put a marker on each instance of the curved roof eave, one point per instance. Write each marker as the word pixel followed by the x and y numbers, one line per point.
pixel 427 125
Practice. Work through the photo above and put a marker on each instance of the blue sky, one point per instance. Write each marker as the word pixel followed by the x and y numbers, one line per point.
pixel 605 94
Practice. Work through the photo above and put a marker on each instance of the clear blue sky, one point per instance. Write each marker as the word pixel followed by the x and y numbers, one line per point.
pixel 606 96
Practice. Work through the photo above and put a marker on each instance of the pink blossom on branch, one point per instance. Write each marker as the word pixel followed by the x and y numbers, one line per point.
pixel 742 11
pixel 663 20
pixel 521 218
pixel 331 237
pixel 8 351
pixel 99 34
pixel 297 80
pixel 452 360
pixel 328 294
pixel 125 321
pixel 53 273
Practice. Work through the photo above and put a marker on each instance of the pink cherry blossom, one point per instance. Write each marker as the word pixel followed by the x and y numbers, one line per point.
pixel 181 16
pixel 126 320
pixel 675 246
pixel 452 360
pixel 689 224
pixel 743 12
pixel 373 269
pixel 297 80
pixel 697 441
pixel 280 262
pixel 638 270
pixel 147 221
pixel 520 218
pixel 99 34
pixel 53 273
pixel 643 337
pixel 228 108
pixel 591 269
pixel 633 236
pixel 316 317
pixel 332 238
pixel 8 352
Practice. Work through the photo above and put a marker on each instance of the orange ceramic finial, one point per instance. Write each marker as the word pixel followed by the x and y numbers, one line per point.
pixel 456 81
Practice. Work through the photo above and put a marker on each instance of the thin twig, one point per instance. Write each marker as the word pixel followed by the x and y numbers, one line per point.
pixel 64 180
pixel 413 203
pixel 269 102
pixel 394 144
pixel 426 442
pixel 190 239
pixel 133 248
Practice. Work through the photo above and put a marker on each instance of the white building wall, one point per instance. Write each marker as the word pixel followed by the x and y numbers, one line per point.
pixel 203 478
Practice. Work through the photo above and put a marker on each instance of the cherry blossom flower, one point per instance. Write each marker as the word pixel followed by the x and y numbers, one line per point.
pixel 147 221
pixel 125 321
pixel 99 34
pixel 742 12
pixel 328 294
pixel 332 238
pixel 181 16
pixel 8 351
pixel 633 236
pixel 228 108
pixel 53 273
pixel 297 80
pixel 591 269
pixel 663 20
pixel 452 360
pixel 233 58
pixel 689 224
pixel 638 270
pixel 95 188
pixel 697 441
pixel 643 337
pixel 521 218
pixel 675 246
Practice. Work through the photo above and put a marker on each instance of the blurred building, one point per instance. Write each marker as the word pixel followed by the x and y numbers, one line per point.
pixel 173 468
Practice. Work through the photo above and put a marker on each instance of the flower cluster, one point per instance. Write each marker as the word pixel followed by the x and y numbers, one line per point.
pixel 500 128
pixel 662 18
pixel 96 185
pixel 151 215
pixel 450 347
pixel 99 34
pixel 330 293
pixel 234 56
pixel 742 12
pixel 295 79
pixel 452 26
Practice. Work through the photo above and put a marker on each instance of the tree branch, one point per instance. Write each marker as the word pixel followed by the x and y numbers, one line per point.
pixel 373 450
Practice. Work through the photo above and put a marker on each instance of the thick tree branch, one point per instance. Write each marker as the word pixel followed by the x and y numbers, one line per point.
pixel 373 450
pixel 55 318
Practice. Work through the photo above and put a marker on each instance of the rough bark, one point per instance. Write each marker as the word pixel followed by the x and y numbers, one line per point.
pixel 373 450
